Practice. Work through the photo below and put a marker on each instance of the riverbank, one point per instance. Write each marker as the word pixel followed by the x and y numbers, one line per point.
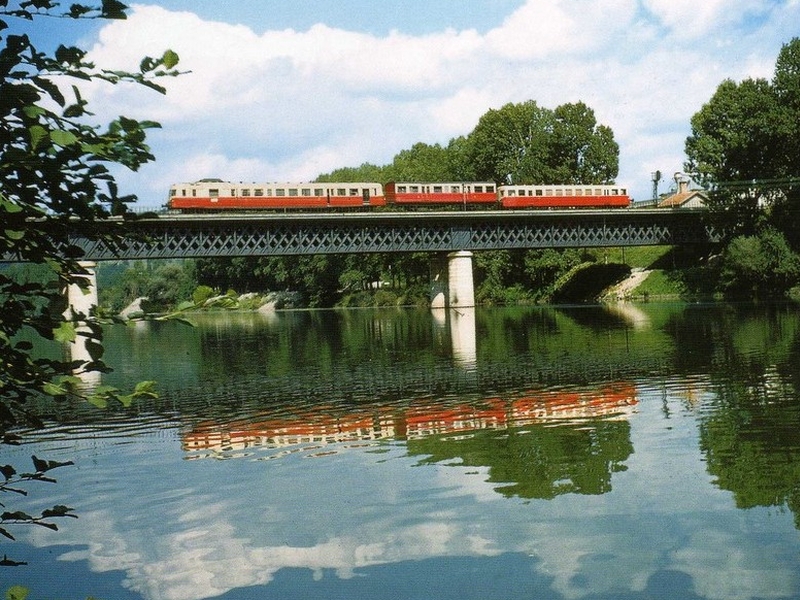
pixel 596 275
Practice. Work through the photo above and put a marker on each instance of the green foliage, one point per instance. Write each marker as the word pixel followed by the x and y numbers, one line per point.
pixel 164 284
pixel 422 162
pixel 202 293
pixel 366 172
pixel 744 147
pixel 494 272
pixel 17 592
pixel 544 268
pixel 525 143
pixel 760 266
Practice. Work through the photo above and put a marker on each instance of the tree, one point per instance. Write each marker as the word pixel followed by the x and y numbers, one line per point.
pixel 743 146
pixel 528 144
pixel 583 151
pixel 422 162
pixel 732 134
pixel 55 180
pixel 510 145
pixel 458 160
pixel 366 172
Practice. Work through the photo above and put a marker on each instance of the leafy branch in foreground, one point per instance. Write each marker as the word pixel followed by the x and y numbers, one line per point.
pixel 55 183
pixel 12 484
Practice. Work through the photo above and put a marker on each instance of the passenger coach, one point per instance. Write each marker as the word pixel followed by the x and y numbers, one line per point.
pixel 563 196
pixel 218 195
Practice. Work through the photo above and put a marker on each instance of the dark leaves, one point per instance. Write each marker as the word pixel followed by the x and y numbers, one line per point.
pixel 42 466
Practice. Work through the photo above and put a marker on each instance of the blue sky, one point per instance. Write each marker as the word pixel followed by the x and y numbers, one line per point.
pixel 287 90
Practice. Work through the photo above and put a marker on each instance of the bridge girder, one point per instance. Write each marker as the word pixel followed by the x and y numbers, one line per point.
pixel 281 235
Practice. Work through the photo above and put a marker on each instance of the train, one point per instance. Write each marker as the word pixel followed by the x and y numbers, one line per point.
pixel 217 195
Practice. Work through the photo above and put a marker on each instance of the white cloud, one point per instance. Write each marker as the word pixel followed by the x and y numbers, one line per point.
pixel 286 104
pixel 554 28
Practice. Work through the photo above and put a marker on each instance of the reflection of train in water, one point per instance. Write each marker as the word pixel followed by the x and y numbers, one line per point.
pixel 418 420
pixel 219 196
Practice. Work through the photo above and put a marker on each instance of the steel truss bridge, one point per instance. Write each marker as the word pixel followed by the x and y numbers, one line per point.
pixel 206 236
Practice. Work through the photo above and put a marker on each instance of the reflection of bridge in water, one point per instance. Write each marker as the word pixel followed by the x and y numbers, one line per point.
pixel 329 424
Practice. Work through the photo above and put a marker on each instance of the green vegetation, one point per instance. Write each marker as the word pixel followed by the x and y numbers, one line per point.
pixel 501 278
pixel 743 147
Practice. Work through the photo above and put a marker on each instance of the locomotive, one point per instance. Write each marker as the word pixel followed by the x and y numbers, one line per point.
pixel 216 195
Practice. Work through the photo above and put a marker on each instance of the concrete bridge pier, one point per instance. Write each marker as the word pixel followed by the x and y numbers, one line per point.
pixel 451 281
pixel 81 301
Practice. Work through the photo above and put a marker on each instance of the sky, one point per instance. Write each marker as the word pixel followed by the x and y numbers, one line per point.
pixel 285 91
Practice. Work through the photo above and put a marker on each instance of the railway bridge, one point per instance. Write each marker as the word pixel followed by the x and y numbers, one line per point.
pixel 452 235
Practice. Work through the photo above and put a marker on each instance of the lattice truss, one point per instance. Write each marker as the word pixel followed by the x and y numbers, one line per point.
pixel 176 238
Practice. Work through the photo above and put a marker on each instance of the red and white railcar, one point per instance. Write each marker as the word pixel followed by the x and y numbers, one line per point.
pixel 219 195
pixel 471 193
pixel 563 196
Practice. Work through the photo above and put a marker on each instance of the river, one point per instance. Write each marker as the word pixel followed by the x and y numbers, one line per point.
pixel 622 452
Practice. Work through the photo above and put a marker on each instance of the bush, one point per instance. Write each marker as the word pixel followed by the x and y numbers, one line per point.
pixel 202 293
pixel 759 266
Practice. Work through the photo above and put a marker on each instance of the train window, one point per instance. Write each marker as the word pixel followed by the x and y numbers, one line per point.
pixel 306 192
pixel 579 192
pixel 341 192
pixel 280 192
pixel 437 189
pixel 213 193
pixel 623 192
pixel 455 188
pixel 354 192
pixel 293 192
pixel 489 188
pixel 401 189
pixel 548 192
pixel 171 193
pixel 414 188
pixel 245 192
pixel 598 192
pixel 194 191
pixel 318 192
pixel 258 192
pixel 614 192
pixel 538 192
pixel 478 189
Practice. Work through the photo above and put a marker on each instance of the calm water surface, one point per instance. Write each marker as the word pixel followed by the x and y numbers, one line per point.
pixel 634 452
